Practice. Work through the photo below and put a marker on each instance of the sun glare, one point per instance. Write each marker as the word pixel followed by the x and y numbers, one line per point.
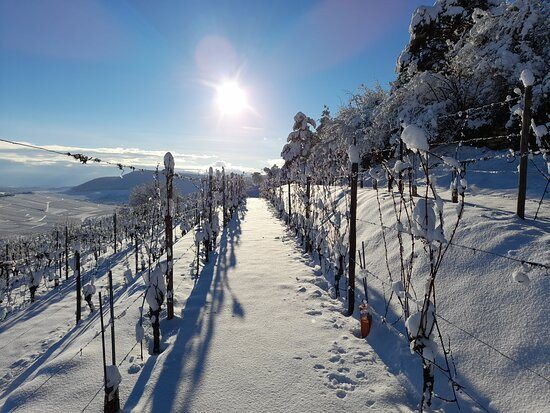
pixel 231 99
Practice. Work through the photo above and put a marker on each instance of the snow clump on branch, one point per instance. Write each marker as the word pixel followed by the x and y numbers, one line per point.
pixel 415 138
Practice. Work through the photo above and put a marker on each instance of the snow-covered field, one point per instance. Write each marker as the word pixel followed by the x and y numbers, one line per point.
pixel 259 331
pixel 24 214
pixel 477 293
pixel 246 337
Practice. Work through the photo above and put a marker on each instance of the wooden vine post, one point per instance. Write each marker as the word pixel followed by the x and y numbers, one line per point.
pixel 223 198
pixel 136 247
pixel 524 149
pixel 56 279
pixel 231 194
pixel 66 252
pixel 114 230
pixel 169 171
pixel 60 256
pixel 454 192
pixel 103 351
pixel 412 177
pixel 354 158
pixel 210 202
pixel 198 242
pixel 78 286
pixel 113 401
pixel 390 181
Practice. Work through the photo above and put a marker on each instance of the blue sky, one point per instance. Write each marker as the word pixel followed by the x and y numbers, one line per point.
pixel 102 77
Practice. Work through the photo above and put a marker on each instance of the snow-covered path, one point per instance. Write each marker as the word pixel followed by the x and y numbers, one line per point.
pixel 260 333
pixel 257 331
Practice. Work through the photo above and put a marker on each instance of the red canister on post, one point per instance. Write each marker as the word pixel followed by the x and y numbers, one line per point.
pixel 365 319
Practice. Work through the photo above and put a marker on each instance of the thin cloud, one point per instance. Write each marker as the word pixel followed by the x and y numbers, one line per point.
pixel 106 150
pixel 139 158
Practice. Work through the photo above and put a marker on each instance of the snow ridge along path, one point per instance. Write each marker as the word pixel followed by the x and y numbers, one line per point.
pixel 259 332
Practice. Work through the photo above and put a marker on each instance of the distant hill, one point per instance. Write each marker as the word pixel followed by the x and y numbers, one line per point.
pixel 114 189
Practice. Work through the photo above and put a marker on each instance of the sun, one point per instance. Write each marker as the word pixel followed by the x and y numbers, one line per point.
pixel 231 98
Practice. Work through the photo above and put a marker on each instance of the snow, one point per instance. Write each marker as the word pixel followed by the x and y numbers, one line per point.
pixel 452 162
pixel 476 291
pixel 540 130
pixel 140 332
pixel 423 15
pixel 30 213
pixel 415 138
pixel 156 289
pixel 400 166
pixel 521 277
pixel 527 77
pixel 259 331
pixel 397 287
pixel 88 289
pixel 113 378
pixel 353 154
pixel 169 161
pixel 455 11
pixel 245 338
pixel 415 324
pixel 36 277
pixel 424 224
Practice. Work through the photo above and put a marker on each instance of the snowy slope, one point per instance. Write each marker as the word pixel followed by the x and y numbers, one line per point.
pixel 29 213
pixel 252 338
pixel 477 292
pixel 245 338
pixel 258 331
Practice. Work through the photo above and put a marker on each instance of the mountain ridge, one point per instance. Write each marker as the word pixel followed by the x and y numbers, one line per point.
pixel 113 189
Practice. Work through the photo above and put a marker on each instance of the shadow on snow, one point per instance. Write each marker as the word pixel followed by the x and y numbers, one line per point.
pixel 185 359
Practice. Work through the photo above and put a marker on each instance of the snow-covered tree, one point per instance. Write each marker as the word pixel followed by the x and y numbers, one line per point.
pixel 465 54
pixel 300 143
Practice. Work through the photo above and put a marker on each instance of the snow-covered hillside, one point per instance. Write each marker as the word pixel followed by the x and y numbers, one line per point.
pixel 30 213
pixel 260 331
pixel 492 309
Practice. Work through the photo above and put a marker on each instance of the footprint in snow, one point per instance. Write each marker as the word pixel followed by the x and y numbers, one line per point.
pixel 316 294
pixel 314 312
pixel 341 379
pixel 135 368
pixel 338 349
pixel 341 383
